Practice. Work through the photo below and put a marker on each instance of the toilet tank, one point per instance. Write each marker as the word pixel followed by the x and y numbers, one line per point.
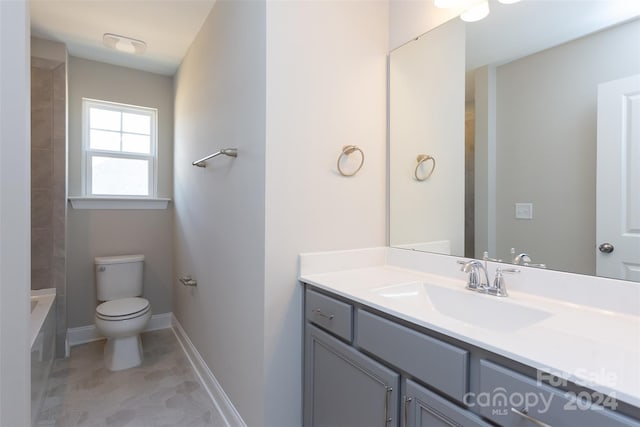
pixel 119 276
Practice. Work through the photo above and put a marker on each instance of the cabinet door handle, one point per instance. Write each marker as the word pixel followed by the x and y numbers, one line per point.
pixel 524 415
pixel 405 416
pixel 387 395
pixel 321 314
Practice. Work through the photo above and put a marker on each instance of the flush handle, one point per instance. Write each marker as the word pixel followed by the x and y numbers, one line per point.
pixel 101 269
pixel 606 248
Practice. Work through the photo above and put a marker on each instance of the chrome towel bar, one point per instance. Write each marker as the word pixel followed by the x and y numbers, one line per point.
pixel 202 163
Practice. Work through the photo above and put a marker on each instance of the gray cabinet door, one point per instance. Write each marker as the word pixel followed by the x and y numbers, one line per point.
pixel 423 408
pixel 344 387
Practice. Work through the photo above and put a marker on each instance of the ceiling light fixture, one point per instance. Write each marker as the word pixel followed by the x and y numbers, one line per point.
pixel 474 10
pixel 124 44
pixel 477 11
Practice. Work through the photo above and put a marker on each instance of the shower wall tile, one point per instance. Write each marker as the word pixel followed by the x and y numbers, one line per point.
pixel 41 208
pixel 60 82
pixel 48 186
pixel 45 64
pixel 42 127
pixel 59 118
pixel 41 247
pixel 60 144
pixel 40 278
pixel 41 168
pixel 59 173
pixel 41 85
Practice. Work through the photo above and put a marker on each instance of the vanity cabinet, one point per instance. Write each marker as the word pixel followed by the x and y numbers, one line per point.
pixel 346 388
pixel 367 368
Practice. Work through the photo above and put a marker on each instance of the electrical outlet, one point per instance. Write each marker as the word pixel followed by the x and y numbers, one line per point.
pixel 524 210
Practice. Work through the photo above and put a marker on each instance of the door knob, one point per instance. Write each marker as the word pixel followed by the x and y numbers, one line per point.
pixel 606 248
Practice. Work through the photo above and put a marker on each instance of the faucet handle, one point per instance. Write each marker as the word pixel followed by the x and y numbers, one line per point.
pixel 499 287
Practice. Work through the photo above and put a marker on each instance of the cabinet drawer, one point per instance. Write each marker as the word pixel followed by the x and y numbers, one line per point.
pixel 502 389
pixel 437 363
pixel 330 314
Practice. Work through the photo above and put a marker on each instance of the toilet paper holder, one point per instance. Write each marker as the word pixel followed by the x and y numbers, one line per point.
pixel 187 281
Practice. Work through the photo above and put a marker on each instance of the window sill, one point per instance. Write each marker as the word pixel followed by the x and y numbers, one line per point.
pixel 121 203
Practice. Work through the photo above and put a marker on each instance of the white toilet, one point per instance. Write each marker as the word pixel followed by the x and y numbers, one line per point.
pixel 123 315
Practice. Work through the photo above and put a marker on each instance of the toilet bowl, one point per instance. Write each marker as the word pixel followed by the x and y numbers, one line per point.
pixel 124 314
pixel 121 321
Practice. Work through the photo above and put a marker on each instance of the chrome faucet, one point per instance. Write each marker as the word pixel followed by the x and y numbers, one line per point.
pixel 521 259
pixel 476 281
pixel 524 259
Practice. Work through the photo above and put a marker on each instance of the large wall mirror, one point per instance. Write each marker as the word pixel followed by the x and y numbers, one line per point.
pixel 519 135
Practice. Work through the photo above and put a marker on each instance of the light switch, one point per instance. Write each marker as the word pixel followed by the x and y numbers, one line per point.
pixel 524 210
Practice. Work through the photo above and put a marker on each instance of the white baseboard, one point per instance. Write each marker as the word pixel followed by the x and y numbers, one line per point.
pixel 212 386
pixel 85 334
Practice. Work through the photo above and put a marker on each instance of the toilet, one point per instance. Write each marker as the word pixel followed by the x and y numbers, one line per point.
pixel 123 314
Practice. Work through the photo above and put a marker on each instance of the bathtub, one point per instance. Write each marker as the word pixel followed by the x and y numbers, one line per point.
pixel 43 329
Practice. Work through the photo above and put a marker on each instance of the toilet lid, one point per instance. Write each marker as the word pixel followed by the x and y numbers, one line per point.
pixel 122 307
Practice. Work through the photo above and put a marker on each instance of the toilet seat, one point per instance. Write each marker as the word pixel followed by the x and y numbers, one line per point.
pixel 123 309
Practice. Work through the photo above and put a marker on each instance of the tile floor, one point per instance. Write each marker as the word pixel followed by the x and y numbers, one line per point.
pixel 163 391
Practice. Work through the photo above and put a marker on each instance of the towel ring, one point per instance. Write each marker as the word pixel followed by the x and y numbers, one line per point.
pixel 421 159
pixel 346 151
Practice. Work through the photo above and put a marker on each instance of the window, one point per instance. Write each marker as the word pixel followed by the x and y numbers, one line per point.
pixel 120 146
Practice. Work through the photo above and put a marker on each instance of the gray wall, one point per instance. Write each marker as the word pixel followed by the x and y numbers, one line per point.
pixel 114 232
pixel 546 145
pixel 219 210
pixel 319 82
pixel 106 82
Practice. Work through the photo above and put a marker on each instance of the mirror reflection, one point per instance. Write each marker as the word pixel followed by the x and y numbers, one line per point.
pixel 521 114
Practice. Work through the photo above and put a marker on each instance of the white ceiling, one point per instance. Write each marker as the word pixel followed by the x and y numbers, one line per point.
pixel 512 31
pixel 167 26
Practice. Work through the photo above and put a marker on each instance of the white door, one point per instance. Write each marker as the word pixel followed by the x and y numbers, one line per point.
pixel 618 182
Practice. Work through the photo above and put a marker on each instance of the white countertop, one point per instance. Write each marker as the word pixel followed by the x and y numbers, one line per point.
pixel 592 346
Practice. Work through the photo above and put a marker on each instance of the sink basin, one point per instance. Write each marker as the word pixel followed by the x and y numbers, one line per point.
pixel 475 309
